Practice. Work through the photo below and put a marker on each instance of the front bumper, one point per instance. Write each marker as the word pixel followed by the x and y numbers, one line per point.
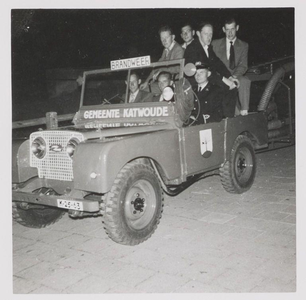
pixel 54 200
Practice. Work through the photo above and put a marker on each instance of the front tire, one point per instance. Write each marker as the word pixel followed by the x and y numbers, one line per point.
pixel 35 217
pixel 133 207
pixel 238 174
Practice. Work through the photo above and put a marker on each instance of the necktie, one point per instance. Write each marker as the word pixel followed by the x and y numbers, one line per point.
pixel 199 89
pixel 206 51
pixel 232 57
pixel 167 52
pixel 132 98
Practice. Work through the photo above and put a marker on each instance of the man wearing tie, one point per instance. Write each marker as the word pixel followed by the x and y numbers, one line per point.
pixel 201 51
pixel 210 96
pixel 234 54
pixel 135 94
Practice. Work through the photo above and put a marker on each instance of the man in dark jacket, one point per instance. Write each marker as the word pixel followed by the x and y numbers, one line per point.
pixel 209 95
pixel 201 51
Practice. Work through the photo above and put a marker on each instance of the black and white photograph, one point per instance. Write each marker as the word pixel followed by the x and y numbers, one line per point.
pixel 154 149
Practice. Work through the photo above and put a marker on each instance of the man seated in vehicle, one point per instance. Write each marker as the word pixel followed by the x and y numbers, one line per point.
pixel 135 94
pixel 209 95
pixel 164 80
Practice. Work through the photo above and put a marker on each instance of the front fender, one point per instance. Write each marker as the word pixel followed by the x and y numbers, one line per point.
pixel 97 163
pixel 21 170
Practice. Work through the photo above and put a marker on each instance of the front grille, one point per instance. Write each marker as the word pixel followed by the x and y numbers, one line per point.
pixel 55 164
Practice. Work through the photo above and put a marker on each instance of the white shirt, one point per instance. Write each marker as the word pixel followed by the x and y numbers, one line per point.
pixel 170 48
pixel 186 44
pixel 202 85
pixel 228 46
pixel 205 47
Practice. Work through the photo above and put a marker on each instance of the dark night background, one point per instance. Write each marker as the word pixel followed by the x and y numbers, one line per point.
pixel 83 39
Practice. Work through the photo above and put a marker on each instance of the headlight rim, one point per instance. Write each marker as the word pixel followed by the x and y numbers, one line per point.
pixel 72 144
pixel 40 147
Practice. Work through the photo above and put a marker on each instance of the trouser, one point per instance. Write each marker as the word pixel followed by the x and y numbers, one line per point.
pixel 229 102
pixel 243 94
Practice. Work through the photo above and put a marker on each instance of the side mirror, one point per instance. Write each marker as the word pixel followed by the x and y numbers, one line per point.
pixel 190 69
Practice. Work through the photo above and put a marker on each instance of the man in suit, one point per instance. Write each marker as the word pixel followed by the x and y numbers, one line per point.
pixel 209 95
pixel 236 62
pixel 172 50
pixel 201 51
pixel 135 94
pixel 187 35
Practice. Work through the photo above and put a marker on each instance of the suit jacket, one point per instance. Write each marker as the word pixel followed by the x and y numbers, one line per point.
pixel 175 53
pixel 241 55
pixel 210 99
pixel 195 53
pixel 142 96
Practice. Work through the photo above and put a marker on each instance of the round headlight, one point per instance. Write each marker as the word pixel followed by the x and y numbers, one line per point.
pixel 168 93
pixel 71 146
pixel 38 147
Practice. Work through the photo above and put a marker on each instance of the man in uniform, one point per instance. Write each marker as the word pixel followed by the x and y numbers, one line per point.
pixel 210 96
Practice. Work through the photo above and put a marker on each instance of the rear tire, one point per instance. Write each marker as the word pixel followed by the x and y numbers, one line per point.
pixel 133 207
pixel 238 174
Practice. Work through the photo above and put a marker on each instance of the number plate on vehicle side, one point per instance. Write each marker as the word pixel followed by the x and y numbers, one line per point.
pixel 70 204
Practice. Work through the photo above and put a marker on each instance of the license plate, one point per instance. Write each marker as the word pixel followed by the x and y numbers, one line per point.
pixel 70 204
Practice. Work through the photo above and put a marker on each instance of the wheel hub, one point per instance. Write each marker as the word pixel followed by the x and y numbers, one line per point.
pixel 138 204
pixel 241 164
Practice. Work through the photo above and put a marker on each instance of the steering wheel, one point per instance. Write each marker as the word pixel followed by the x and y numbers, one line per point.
pixel 196 111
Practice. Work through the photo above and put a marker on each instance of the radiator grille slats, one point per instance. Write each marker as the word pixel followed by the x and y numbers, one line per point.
pixel 54 165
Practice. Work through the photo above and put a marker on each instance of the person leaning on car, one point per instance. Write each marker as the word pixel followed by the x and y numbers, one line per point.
pixel 135 94
pixel 239 65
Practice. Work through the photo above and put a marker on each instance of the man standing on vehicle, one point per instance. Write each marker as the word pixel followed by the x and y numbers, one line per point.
pixel 234 54
pixel 172 50
pixel 187 35
pixel 135 94
pixel 210 96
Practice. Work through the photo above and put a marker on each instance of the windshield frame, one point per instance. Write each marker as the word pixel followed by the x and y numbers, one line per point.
pixel 181 62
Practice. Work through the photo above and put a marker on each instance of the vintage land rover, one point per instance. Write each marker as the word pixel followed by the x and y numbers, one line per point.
pixel 118 158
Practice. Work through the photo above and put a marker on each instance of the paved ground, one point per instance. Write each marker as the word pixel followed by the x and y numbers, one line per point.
pixel 207 241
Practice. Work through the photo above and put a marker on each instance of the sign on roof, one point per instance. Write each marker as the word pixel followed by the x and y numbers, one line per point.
pixel 130 63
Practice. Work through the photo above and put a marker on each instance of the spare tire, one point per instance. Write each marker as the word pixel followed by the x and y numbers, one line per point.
pixel 184 101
